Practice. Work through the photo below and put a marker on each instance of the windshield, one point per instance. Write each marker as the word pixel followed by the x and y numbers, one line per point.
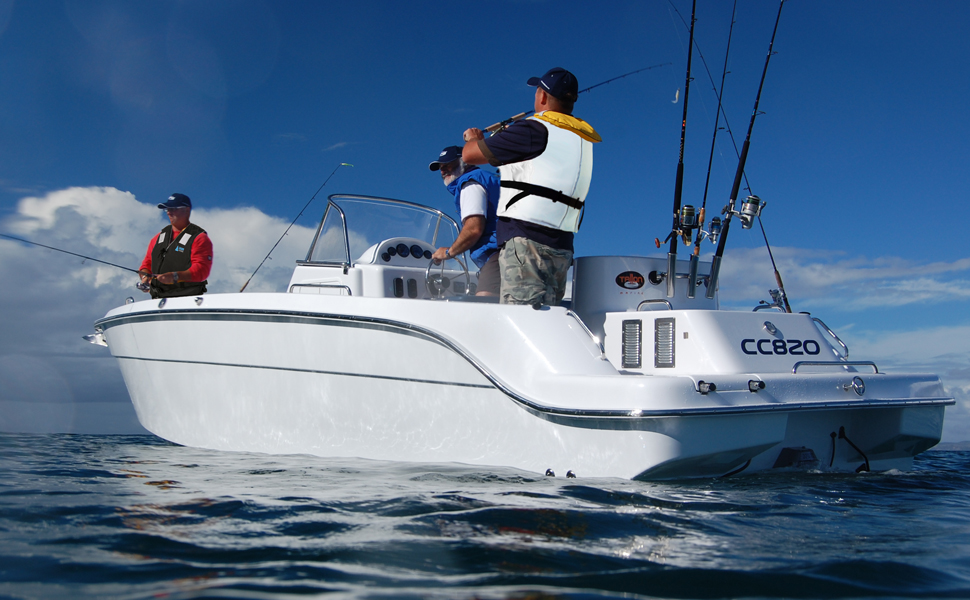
pixel 352 224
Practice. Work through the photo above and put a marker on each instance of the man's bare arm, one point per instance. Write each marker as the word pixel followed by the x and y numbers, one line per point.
pixel 472 153
pixel 471 229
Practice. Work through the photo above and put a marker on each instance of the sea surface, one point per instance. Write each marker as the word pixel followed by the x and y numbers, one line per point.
pixel 137 517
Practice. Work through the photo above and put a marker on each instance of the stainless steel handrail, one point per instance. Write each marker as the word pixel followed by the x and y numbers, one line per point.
pixel 835 363
pixel 832 333
pixel 595 339
pixel 768 307
pixel 655 301
pixel 323 285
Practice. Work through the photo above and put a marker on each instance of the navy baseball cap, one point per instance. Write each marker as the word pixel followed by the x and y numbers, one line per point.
pixel 559 83
pixel 449 154
pixel 176 201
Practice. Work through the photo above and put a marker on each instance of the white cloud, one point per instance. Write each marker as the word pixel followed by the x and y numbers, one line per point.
pixel 111 225
pixel 336 146
pixel 52 299
pixel 823 278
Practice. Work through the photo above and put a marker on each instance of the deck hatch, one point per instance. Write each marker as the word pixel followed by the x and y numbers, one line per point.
pixel 663 343
pixel 632 344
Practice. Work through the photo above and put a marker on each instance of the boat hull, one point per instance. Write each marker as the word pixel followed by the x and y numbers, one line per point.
pixel 388 379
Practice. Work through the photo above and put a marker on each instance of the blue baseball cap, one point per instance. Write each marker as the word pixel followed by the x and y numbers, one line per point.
pixel 176 201
pixel 449 154
pixel 559 83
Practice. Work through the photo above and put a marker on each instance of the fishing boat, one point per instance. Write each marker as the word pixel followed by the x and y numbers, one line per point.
pixel 374 351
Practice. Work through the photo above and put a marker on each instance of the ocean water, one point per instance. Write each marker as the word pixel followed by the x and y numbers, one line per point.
pixel 137 517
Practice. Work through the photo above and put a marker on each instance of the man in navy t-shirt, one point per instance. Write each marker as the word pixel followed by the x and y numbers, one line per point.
pixel 545 163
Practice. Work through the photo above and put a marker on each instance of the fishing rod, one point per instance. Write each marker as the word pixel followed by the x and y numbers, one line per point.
pixel 716 221
pixel 104 262
pixel 495 128
pixel 715 225
pixel 686 220
pixel 305 206
pixel 700 54
pixel 752 205
pixel 622 76
pixel 781 295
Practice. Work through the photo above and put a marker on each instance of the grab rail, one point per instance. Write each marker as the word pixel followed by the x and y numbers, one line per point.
pixel 595 339
pixel 835 363
pixel 832 333
pixel 655 301
pixel 767 306
pixel 323 285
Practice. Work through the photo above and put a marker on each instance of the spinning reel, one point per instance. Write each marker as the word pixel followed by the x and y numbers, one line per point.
pixel 687 222
pixel 750 210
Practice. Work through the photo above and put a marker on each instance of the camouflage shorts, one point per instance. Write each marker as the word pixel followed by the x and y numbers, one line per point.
pixel 533 272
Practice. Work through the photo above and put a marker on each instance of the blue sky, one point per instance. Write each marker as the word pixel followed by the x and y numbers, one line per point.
pixel 108 107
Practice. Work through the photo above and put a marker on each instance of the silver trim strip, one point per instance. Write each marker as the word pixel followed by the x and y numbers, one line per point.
pixel 314 371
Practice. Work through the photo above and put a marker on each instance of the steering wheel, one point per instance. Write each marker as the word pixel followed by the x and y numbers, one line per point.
pixel 438 284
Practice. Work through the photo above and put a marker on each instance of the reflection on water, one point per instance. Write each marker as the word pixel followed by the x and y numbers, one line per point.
pixel 133 516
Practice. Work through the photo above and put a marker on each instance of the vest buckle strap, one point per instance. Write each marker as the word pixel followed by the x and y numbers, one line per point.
pixel 531 189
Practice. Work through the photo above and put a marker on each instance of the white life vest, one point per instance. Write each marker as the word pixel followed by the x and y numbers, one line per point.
pixel 565 166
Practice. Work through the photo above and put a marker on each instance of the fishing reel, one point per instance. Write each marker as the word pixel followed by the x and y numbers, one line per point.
pixel 686 223
pixel 713 230
pixel 779 300
pixel 750 210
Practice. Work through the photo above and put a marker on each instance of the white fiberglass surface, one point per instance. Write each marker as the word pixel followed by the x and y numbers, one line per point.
pixel 356 223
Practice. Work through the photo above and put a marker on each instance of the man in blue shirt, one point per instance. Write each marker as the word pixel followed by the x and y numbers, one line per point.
pixel 476 195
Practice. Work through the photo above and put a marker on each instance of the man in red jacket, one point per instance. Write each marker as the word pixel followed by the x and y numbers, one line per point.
pixel 179 258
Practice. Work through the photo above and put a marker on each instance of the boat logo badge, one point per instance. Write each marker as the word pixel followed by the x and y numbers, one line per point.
pixel 630 280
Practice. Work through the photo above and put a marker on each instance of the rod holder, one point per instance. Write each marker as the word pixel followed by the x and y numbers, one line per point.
pixel 712 281
pixel 671 273
pixel 692 277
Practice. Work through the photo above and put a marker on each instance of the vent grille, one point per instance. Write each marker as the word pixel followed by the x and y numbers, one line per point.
pixel 663 343
pixel 632 344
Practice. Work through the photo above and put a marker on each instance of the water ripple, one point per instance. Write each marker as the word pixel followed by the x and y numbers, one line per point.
pixel 135 517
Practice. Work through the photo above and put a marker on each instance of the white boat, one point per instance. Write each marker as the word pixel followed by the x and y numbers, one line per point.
pixel 374 352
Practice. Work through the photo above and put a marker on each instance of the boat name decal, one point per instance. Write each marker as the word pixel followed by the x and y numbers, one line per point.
pixel 780 347
pixel 630 280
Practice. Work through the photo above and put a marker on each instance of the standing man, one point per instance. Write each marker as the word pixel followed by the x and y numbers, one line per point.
pixel 179 258
pixel 545 162
pixel 476 195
